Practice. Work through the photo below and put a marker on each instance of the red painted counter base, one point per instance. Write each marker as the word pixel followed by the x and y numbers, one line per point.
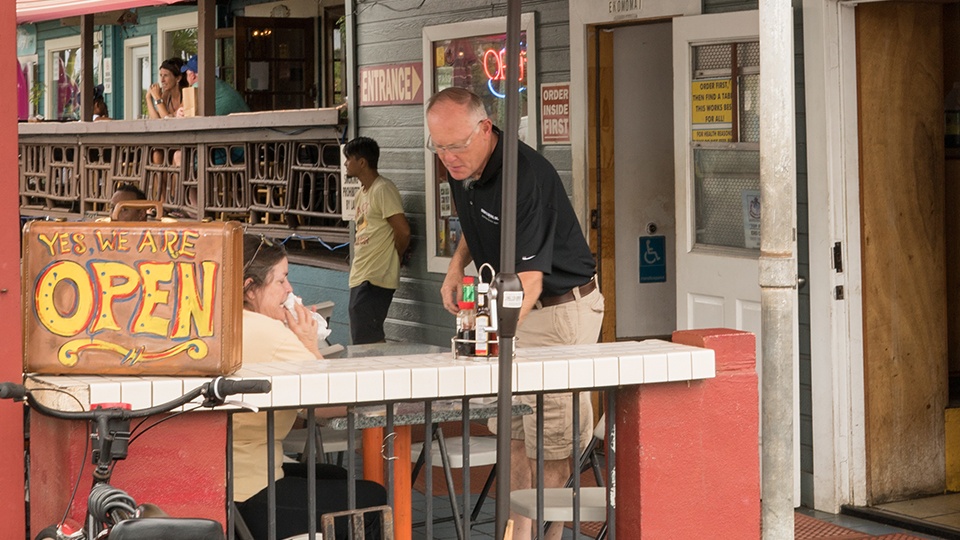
pixel 178 465
pixel 698 472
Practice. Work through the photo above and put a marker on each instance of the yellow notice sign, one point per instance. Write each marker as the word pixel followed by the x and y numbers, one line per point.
pixel 713 135
pixel 712 101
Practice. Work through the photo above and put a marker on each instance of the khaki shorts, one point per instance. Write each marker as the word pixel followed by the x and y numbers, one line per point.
pixel 573 323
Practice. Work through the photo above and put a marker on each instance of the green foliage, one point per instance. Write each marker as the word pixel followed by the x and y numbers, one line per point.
pixel 36 94
pixel 184 43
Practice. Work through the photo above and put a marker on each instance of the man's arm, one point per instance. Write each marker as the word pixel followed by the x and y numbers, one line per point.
pixel 450 290
pixel 401 232
pixel 532 282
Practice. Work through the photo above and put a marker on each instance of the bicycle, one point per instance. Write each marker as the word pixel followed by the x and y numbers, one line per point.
pixel 112 513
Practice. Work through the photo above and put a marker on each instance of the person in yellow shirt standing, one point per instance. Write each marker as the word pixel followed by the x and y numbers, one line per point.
pixel 382 237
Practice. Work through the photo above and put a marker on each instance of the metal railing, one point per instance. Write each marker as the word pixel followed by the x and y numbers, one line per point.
pixel 464 526
pixel 278 172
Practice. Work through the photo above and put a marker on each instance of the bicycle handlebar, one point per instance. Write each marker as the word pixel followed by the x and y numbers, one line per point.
pixel 9 390
pixel 224 387
pixel 214 392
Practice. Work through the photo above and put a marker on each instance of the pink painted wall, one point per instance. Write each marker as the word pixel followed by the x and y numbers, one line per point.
pixel 698 472
pixel 11 356
pixel 178 465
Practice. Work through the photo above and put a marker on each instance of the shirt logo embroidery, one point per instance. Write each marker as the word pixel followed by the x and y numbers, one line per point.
pixel 527 258
pixel 489 217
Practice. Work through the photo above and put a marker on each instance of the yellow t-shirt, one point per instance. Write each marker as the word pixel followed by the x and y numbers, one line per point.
pixel 375 257
pixel 264 340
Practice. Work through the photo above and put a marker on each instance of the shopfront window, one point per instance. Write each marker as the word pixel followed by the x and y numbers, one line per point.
pixel 472 56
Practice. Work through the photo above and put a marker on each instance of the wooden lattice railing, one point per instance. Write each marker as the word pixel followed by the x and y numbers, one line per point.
pixel 278 172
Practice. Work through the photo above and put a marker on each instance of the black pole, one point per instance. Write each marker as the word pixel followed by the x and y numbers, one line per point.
pixel 508 253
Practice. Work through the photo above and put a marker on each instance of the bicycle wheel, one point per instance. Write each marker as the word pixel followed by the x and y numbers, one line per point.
pixel 49 533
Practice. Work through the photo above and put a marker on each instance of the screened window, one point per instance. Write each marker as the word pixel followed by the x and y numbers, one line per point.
pixel 725 134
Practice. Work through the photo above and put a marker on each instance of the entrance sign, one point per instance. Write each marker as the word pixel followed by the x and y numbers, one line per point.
pixel 555 113
pixel 391 84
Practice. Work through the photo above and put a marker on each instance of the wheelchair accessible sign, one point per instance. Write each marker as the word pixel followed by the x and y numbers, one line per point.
pixel 653 259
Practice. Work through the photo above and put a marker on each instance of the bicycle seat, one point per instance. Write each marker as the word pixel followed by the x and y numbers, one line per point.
pixel 166 528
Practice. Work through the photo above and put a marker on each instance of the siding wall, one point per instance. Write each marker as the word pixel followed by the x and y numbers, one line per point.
pixel 392 36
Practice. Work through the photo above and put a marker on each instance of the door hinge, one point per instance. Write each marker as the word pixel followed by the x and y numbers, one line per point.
pixel 838 292
pixel 838 257
pixel 594 219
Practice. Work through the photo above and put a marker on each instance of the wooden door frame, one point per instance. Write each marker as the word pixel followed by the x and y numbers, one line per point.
pixel 836 332
pixel 600 179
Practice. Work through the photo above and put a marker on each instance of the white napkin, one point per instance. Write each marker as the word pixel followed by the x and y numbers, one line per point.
pixel 322 331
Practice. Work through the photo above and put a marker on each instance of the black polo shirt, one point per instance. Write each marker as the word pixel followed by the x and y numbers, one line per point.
pixel 548 238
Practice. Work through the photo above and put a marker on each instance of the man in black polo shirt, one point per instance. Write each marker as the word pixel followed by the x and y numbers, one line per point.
pixel 562 304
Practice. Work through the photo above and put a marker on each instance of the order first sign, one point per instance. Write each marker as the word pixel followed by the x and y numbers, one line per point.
pixel 391 84
pixel 555 113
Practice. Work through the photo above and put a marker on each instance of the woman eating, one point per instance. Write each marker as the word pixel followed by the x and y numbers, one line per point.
pixel 271 333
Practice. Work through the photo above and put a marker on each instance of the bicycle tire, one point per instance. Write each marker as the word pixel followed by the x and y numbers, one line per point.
pixel 49 533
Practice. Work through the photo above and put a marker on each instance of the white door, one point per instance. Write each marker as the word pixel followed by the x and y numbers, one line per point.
pixel 716 74
pixel 137 76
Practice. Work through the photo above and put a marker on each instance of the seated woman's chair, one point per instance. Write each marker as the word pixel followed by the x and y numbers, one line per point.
pixel 329 442
pixel 558 502
pixel 449 453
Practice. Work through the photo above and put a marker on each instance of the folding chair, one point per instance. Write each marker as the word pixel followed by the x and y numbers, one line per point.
pixel 558 502
pixel 450 453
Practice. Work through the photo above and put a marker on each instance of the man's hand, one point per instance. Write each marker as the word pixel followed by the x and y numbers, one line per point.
pixel 450 290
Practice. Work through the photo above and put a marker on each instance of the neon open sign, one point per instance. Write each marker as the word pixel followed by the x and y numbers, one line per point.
pixel 495 68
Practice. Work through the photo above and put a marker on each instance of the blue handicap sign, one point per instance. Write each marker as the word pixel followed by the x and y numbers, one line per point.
pixel 653 259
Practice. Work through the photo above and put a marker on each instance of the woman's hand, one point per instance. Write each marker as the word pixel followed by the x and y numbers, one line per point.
pixel 155 91
pixel 304 326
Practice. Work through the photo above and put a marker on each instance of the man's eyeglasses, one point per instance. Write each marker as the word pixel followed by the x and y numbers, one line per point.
pixel 263 240
pixel 453 148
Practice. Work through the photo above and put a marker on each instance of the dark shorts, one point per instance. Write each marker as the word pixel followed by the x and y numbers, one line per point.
pixel 368 310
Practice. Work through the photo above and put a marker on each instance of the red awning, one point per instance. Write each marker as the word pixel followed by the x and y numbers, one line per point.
pixel 45 10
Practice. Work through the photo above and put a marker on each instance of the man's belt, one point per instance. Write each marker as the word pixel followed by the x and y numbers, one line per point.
pixel 585 289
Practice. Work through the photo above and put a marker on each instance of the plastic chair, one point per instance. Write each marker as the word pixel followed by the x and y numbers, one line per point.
pixel 327 349
pixel 558 502
pixel 450 454
pixel 329 441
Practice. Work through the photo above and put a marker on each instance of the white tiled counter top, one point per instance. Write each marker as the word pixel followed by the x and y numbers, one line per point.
pixel 410 377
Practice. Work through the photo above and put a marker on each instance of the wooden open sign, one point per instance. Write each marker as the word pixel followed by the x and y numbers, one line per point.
pixel 132 298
